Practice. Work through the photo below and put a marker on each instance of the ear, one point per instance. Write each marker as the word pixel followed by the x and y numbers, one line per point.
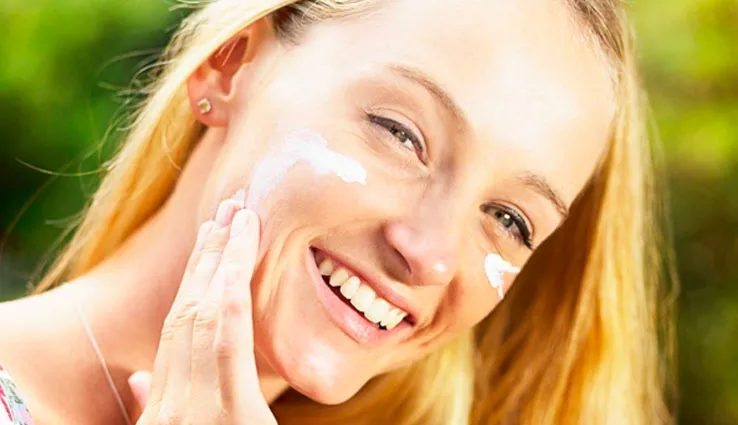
pixel 211 82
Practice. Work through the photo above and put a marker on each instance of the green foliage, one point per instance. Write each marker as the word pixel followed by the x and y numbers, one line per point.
pixel 63 70
pixel 66 63
pixel 689 56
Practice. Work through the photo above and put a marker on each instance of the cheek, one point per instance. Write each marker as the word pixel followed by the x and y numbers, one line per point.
pixel 482 285
pixel 300 183
pixel 301 148
pixel 466 304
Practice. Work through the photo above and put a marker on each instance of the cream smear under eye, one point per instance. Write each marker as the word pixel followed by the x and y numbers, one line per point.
pixel 301 146
pixel 494 267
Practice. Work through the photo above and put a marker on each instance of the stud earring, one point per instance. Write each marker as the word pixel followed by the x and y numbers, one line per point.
pixel 204 105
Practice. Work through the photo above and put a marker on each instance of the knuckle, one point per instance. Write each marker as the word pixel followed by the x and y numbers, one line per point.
pixel 236 301
pixel 177 317
pixel 206 320
pixel 235 306
pixel 211 254
pixel 224 347
pixel 215 244
pixel 168 416
pixel 207 255
pixel 186 311
pixel 234 273
pixel 167 333
pixel 208 259
pixel 208 262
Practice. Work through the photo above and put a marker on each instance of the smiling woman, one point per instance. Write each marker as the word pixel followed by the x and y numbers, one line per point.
pixel 412 163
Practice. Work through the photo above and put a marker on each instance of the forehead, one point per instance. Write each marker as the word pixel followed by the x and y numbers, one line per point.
pixel 522 73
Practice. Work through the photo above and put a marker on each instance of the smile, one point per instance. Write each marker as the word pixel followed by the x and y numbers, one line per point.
pixel 357 303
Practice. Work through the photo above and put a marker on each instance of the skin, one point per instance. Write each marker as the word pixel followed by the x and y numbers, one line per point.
pixel 532 98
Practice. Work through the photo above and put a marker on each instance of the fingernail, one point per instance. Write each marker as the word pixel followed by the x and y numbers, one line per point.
pixel 223 216
pixel 240 197
pixel 240 223
pixel 141 377
pixel 203 233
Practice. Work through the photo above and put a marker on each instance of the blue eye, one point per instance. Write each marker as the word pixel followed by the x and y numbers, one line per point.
pixel 406 137
pixel 511 222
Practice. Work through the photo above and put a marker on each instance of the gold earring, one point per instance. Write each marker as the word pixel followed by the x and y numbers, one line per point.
pixel 204 105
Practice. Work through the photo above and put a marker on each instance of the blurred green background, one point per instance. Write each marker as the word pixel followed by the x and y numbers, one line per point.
pixel 64 65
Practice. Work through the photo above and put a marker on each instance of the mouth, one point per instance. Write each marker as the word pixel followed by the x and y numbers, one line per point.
pixel 369 311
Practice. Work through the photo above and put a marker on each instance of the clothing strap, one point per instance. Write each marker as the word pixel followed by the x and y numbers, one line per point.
pixel 104 365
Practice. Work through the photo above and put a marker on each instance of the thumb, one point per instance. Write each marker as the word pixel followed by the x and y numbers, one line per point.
pixel 140 382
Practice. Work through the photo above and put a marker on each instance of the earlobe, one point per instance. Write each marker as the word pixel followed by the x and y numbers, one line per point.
pixel 207 104
pixel 210 87
pixel 204 106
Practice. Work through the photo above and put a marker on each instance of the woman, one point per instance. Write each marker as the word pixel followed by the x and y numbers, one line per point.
pixel 407 161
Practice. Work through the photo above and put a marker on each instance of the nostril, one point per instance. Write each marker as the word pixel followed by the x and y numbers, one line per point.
pixel 406 267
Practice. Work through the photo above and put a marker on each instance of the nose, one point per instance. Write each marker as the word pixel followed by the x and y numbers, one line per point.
pixel 427 245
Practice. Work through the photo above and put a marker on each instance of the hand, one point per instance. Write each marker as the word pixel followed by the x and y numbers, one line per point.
pixel 205 372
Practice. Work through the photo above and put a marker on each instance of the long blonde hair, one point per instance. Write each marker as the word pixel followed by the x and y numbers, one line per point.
pixel 577 340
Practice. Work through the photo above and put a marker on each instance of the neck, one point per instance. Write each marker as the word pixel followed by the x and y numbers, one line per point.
pixel 126 298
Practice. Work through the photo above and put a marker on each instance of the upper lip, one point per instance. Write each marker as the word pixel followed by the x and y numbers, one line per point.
pixel 382 288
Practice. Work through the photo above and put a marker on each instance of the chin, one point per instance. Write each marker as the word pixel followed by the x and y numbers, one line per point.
pixel 321 390
pixel 315 369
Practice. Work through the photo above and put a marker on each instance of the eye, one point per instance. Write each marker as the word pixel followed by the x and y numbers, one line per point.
pixel 511 222
pixel 407 138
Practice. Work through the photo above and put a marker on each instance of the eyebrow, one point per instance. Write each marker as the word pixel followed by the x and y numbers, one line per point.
pixel 419 77
pixel 540 185
pixel 533 181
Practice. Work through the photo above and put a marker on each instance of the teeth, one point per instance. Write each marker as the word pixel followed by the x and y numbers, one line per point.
pixel 393 318
pixel 362 296
pixel 349 288
pixel 339 277
pixel 326 267
pixel 378 311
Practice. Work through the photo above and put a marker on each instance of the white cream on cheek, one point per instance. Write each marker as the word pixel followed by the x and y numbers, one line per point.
pixel 495 267
pixel 301 146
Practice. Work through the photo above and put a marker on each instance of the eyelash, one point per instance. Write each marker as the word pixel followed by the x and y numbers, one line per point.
pixel 395 128
pixel 523 234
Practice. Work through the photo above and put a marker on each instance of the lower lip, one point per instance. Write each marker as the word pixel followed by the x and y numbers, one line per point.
pixel 353 323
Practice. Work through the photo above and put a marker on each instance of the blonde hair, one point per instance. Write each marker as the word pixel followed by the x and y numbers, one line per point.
pixel 577 340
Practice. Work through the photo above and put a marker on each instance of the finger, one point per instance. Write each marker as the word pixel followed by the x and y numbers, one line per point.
pixel 237 265
pixel 238 379
pixel 235 364
pixel 195 287
pixel 207 258
pixel 163 351
pixel 140 382
pixel 172 359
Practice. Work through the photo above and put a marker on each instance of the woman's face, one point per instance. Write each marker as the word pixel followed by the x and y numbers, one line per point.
pixel 477 123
